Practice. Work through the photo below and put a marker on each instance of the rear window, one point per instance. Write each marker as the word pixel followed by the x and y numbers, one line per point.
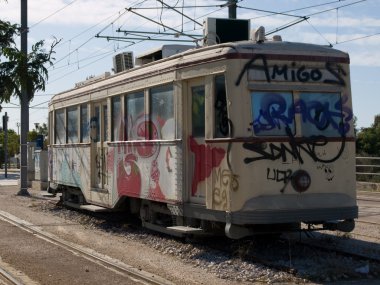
pixel 319 113
pixel 272 113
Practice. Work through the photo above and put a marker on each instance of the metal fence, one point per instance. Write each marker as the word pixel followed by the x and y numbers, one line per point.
pixel 368 169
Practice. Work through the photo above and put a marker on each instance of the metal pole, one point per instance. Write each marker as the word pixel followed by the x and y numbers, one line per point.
pixel 5 128
pixel 232 9
pixel 24 106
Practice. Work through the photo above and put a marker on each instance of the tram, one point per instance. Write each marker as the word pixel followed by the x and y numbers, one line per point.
pixel 234 138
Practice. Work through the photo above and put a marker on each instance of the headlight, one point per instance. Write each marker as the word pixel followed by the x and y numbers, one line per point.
pixel 301 180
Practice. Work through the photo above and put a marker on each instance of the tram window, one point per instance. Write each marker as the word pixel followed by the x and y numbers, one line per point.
pixel 84 136
pixel 105 123
pixel 134 116
pixel 220 105
pixel 117 128
pixel 273 113
pixel 72 125
pixel 161 113
pixel 321 114
pixel 60 130
pixel 51 124
pixel 198 111
pixel 94 125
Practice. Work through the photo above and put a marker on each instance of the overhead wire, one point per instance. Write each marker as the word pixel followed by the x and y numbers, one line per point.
pixel 359 38
pixel 136 4
pixel 292 10
pixel 337 25
pixel 316 30
pixel 105 54
pixel 303 18
pixel 328 10
pixel 84 43
pixel 52 14
pixel 307 17
pixel 339 7
pixel 112 52
pixel 76 50
pixel 92 27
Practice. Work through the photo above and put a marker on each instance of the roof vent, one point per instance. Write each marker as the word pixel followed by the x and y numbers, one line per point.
pixel 92 79
pixel 277 38
pixel 258 35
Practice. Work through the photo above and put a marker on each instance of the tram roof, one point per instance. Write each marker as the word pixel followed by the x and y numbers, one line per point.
pixel 243 47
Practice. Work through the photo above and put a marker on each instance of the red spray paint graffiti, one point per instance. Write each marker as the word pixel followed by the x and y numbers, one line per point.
pixel 129 177
pixel 155 192
pixel 206 158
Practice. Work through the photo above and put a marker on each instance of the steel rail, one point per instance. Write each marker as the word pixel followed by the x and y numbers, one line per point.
pixel 8 278
pixel 366 236
pixel 91 255
pixel 339 251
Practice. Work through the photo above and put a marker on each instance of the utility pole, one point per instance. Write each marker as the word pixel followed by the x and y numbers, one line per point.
pixel 5 128
pixel 232 9
pixel 24 105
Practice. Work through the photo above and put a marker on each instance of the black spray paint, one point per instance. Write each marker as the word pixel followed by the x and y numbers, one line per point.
pixel 293 72
pixel 295 148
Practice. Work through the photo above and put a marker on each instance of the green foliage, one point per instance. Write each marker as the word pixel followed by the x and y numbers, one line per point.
pixel 7 32
pixel 13 144
pixel 14 140
pixel 39 130
pixel 368 139
pixel 19 70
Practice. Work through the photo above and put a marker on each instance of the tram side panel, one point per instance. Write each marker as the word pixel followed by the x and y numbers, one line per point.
pixel 71 167
pixel 146 170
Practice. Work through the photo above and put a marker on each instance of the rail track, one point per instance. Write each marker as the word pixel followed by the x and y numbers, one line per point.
pixel 135 274
pixel 7 278
pixel 339 250
pixel 305 241
pixel 226 246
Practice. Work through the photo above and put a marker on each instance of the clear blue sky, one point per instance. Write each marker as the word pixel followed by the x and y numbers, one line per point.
pixel 351 26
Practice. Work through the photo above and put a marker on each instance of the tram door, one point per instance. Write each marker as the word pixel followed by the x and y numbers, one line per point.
pixel 99 137
pixel 196 141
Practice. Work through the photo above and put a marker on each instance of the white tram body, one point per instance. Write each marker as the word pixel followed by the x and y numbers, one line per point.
pixel 242 137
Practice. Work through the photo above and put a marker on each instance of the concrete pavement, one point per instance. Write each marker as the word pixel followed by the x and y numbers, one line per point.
pixel 13 176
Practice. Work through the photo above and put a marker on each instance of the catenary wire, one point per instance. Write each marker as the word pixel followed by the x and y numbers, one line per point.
pixel 56 12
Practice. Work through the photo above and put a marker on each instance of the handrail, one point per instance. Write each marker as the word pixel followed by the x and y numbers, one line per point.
pixel 367 172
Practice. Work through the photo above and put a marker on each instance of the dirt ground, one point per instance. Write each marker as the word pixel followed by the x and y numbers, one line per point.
pixel 47 264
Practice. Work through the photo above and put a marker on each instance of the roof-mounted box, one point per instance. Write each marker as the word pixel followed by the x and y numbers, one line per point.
pixel 123 61
pixel 217 31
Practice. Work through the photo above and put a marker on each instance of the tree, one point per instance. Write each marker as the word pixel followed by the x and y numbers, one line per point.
pixel 21 70
pixel 21 75
pixel 13 144
pixel 368 139
pixel 39 130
